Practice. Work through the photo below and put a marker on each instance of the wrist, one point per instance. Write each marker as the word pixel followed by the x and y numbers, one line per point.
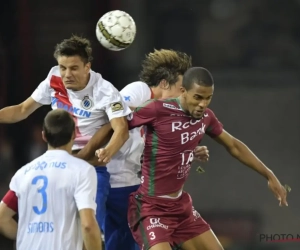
pixel 108 151
pixel 269 175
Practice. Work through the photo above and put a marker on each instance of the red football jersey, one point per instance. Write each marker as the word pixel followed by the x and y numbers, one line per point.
pixel 171 137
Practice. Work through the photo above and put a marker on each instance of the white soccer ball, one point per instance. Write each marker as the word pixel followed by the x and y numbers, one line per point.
pixel 116 30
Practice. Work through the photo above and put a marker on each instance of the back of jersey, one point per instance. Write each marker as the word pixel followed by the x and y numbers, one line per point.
pixel 51 190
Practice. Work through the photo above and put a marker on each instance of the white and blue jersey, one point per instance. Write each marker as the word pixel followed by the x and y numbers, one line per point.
pixel 51 190
pixel 124 166
pixel 92 107
pixel 123 169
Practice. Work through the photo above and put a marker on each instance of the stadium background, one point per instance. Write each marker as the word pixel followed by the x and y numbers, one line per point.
pixel 250 46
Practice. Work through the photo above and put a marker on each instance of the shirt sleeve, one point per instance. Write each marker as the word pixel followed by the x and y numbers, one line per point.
pixel 110 100
pixel 11 200
pixel 215 128
pixel 86 188
pixel 42 93
pixel 135 94
pixel 143 115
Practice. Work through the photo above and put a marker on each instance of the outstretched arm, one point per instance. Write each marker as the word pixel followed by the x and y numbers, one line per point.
pixel 16 113
pixel 242 153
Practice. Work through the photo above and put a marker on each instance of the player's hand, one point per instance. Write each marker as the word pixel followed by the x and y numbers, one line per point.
pixel 201 153
pixel 279 191
pixel 103 155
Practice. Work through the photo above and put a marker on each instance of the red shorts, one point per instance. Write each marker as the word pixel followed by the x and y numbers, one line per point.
pixel 153 220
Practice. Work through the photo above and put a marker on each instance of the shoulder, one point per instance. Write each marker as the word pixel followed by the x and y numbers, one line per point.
pixel 171 103
pixel 137 87
pixel 148 103
pixel 54 71
pixel 29 166
pixel 83 170
pixel 136 93
pixel 79 163
pixel 100 83
pixel 102 89
pixel 53 76
pixel 209 113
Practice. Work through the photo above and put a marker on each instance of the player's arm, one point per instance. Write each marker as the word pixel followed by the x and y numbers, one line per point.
pixel 85 193
pixel 133 95
pixel 41 96
pixel 242 153
pixel 120 136
pixel 99 140
pixel 90 230
pixel 8 209
pixel 16 113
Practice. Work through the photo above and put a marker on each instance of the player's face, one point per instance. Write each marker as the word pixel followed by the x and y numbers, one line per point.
pixel 74 72
pixel 197 99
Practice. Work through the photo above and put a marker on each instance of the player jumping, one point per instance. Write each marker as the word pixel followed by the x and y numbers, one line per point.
pixel 161 214
pixel 92 101
pixel 161 77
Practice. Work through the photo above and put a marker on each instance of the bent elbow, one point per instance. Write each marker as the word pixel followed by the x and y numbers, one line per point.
pixel 89 226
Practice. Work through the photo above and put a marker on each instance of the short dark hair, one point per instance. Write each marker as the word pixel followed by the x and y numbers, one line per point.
pixel 58 128
pixel 75 46
pixel 164 64
pixel 198 75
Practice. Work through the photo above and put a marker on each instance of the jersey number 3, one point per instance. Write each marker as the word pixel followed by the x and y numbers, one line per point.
pixel 41 179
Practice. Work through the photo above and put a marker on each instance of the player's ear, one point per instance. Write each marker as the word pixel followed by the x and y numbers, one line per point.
pixel 88 67
pixel 44 137
pixel 163 84
pixel 182 90
pixel 73 136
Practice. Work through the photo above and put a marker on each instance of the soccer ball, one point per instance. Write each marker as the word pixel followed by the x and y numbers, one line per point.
pixel 116 30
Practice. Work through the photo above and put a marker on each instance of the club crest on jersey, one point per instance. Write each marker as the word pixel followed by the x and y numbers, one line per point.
pixel 86 102
pixel 116 106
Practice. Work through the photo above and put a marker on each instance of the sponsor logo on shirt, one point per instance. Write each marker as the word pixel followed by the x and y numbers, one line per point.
pixel 170 106
pixel 117 106
pixel 127 98
pixel 71 109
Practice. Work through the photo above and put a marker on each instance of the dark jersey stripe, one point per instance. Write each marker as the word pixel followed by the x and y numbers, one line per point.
pixel 153 163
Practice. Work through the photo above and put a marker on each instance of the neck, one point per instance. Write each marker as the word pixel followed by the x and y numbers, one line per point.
pixel 86 81
pixel 67 148
pixel 157 92
pixel 183 104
